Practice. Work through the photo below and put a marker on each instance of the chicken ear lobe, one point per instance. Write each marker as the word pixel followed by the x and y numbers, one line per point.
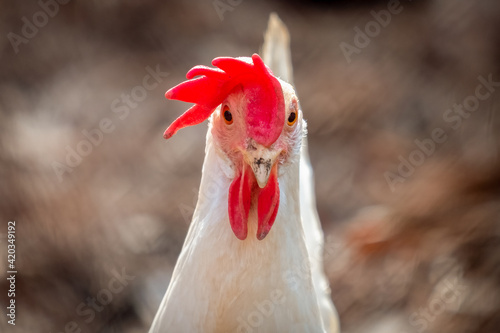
pixel 269 200
pixel 240 198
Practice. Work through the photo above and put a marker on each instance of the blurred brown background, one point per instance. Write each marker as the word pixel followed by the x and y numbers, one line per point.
pixel 422 256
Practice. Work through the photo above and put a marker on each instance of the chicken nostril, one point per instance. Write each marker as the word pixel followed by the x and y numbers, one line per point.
pixel 262 162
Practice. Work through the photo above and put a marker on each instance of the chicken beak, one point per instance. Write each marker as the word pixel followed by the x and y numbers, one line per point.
pixel 264 165
pixel 261 160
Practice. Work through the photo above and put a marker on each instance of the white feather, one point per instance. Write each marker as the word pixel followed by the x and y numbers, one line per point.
pixel 223 284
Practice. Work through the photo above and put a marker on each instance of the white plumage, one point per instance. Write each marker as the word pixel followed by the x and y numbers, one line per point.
pixel 224 284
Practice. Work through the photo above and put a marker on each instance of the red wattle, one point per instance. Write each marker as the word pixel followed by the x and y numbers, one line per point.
pixel 240 198
pixel 269 200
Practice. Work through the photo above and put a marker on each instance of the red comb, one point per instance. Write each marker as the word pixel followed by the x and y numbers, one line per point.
pixel 266 105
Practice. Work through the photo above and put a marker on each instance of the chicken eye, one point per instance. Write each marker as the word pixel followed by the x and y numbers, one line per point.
pixel 228 117
pixel 292 118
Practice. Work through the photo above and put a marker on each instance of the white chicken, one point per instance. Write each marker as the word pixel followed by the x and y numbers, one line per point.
pixel 251 261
